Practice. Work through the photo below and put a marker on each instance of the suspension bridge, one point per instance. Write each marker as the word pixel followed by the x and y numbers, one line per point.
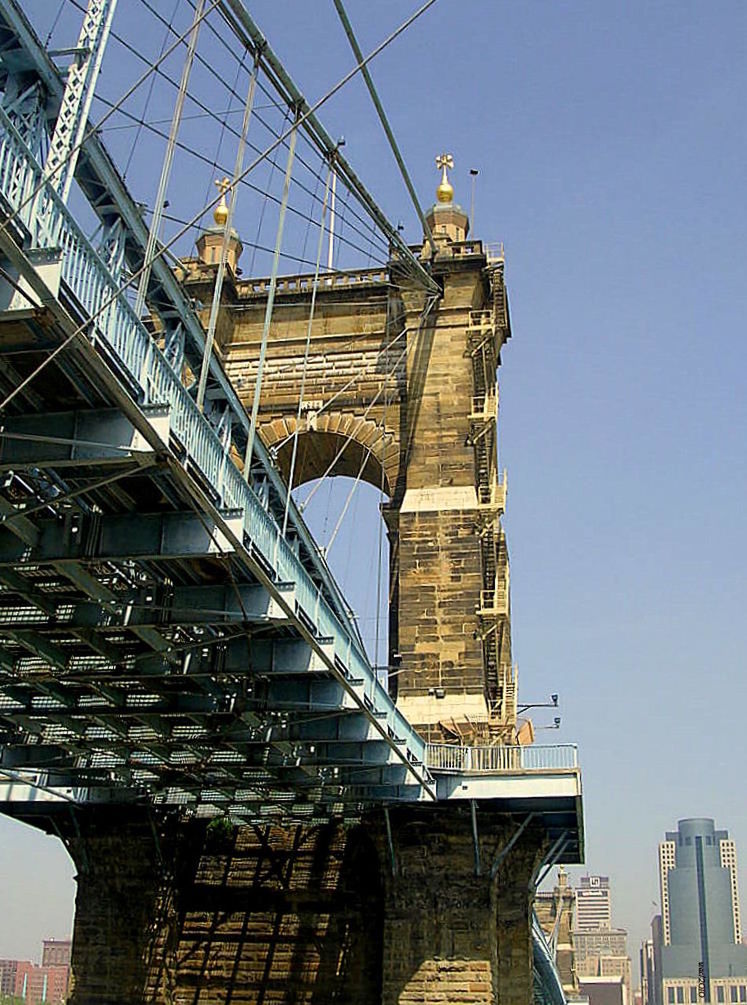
pixel 258 811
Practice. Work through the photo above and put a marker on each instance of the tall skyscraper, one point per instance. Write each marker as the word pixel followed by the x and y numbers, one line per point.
pixel 701 955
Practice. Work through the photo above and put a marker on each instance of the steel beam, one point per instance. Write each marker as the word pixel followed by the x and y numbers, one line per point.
pixel 72 118
pixel 77 439
pixel 81 538
pixel 187 606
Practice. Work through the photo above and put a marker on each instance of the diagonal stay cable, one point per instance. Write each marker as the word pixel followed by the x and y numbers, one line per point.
pixel 65 497
pixel 207 112
pixel 336 530
pixel 46 178
pixel 216 165
pixel 362 372
pixel 213 202
pixel 405 352
pixel 307 349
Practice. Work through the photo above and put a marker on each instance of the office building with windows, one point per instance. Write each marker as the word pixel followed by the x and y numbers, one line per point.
pixel 593 904
pixel 702 958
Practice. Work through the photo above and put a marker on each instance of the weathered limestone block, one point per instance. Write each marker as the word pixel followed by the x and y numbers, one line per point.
pixel 129 866
pixel 450 935
pixel 171 913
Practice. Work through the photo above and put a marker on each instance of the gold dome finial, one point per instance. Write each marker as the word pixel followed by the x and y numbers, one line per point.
pixel 445 191
pixel 220 213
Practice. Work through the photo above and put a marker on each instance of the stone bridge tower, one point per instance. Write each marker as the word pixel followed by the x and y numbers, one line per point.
pixel 401 389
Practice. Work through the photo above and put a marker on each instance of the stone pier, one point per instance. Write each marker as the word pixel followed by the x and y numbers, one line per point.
pixel 171 913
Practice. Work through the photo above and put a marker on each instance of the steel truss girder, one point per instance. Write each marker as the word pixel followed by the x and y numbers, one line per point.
pixel 72 118
pixel 155 536
pixel 331 728
pixel 70 563
pixel 77 439
pixel 121 702
pixel 160 608
pixel 337 754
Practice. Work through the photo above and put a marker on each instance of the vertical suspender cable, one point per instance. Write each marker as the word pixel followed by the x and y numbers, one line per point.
pixel 320 245
pixel 220 276
pixel 270 301
pixel 349 499
pixel 168 160
pixel 330 253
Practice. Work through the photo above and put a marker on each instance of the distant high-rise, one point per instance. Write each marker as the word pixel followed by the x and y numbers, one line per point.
pixel 56 952
pixel 593 907
pixel 555 910
pixel 602 961
pixel 38 985
pixel 700 951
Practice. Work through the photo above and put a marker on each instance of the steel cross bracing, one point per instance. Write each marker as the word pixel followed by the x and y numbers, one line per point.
pixel 72 117
pixel 160 638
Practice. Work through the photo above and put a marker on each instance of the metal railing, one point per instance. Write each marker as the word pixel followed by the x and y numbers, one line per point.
pixel 480 320
pixel 52 226
pixel 485 406
pixel 495 252
pixel 501 760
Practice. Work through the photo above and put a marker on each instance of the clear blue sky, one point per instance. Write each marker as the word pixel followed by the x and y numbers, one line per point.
pixel 610 141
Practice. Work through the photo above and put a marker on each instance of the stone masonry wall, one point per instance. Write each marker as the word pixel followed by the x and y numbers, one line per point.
pixel 439 581
pixel 124 907
pixel 388 394
pixel 452 937
pixel 171 913
pixel 185 914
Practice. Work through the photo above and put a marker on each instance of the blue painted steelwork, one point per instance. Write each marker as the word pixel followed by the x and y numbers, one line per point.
pixel 548 989
pixel 125 229
pixel 111 322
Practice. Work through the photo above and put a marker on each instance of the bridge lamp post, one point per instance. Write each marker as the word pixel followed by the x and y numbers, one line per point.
pixel 553 703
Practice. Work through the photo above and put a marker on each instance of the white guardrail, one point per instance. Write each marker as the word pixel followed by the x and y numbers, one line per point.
pixel 51 225
pixel 496 760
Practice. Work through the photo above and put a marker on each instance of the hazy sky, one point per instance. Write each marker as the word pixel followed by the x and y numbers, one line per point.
pixel 610 141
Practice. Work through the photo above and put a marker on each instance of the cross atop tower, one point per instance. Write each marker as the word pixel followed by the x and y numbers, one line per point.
pixel 220 213
pixel 445 191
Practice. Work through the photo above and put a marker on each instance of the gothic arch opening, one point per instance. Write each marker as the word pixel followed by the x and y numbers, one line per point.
pixel 334 444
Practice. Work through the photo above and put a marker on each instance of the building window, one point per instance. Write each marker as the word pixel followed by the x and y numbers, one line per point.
pixel 743 993
pixel 733 993
pixel 680 996
pixel 693 994
pixel 720 996
pixel 670 995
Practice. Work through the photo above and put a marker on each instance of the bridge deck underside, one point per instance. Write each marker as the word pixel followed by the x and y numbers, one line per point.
pixel 144 651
